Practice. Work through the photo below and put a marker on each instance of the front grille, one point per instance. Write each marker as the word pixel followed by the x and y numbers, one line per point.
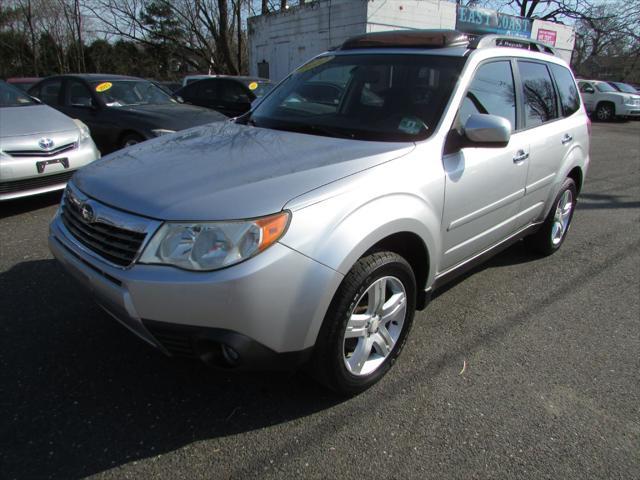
pixel 14 186
pixel 41 153
pixel 115 244
pixel 177 341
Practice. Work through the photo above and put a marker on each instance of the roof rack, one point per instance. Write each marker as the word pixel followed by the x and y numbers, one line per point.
pixel 486 41
pixel 407 39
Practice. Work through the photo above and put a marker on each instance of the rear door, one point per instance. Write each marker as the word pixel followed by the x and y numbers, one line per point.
pixel 550 135
pixel 484 186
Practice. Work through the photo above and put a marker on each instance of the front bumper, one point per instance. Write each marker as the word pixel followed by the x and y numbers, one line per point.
pixel 19 176
pixel 629 111
pixel 268 309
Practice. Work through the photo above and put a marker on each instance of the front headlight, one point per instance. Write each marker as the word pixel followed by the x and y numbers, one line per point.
pixel 212 245
pixel 84 130
pixel 161 131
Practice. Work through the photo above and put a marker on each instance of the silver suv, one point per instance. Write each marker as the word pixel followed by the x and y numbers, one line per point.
pixel 310 230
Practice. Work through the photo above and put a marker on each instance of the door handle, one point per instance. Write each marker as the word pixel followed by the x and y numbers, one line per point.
pixel 520 157
pixel 566 138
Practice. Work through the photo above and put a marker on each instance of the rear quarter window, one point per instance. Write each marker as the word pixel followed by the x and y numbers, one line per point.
pixel 567 89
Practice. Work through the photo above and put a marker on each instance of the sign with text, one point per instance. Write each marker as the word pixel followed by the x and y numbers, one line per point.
pixel 482 20
pixel 547 36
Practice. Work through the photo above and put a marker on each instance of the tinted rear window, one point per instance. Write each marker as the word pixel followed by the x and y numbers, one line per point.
pixel 539 93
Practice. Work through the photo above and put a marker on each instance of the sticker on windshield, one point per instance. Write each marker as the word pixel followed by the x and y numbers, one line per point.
pixel 103 87
pixel 314 63
pixel 253 85
pixel 411 125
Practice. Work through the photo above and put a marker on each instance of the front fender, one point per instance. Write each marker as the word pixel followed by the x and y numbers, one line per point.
pixel 337 232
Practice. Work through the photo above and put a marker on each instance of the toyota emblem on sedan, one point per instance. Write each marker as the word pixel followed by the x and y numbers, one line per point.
pixel 45 143
pixel 87 213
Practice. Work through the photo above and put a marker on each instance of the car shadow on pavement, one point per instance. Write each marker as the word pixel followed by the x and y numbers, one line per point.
pixel 11 208
pixel 597 201
pixel 80 395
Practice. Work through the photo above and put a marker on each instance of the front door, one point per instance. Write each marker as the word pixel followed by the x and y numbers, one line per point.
pixel 484 186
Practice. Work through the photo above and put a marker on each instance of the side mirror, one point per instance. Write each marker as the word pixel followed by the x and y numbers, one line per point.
pixel 178 98
pixel 484 130
pixel 589 90
pixel 36 99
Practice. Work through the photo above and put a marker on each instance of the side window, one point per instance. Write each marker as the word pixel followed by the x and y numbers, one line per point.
pixel 50 92
pixel 77 94
pixel 233 92
pixel 569 96
pixel 538 93
pixel 491 91
pixel 206 90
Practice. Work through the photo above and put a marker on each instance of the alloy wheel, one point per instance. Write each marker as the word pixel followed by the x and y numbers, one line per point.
pixel 375 325
pixel 562 217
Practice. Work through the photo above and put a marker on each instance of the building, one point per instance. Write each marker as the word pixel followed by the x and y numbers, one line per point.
pixel 281 41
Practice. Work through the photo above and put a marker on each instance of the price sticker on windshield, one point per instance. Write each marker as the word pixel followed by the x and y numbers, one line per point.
pixel 253 85
pixel 103 87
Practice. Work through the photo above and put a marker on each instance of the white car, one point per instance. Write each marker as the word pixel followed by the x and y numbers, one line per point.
pixel 606 102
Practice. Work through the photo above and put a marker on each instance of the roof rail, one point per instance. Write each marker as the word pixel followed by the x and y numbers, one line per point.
pixel 407 39
pixel 486 41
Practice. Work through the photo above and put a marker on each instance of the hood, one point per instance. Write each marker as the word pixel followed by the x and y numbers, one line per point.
pixel 173 116
pixel 19 121
pixel 226 171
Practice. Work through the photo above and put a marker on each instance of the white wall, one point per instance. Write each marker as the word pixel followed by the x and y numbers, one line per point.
pixel 383 15
pixel 288 39
pixel 565 37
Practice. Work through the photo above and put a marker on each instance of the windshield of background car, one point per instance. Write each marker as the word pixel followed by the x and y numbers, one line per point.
pixel 625 88
pixel 124 93
pixel 11 96
pixel 605 87
pixel 381 97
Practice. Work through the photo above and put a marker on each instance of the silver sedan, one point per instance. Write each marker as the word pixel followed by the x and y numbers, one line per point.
pixel 40 148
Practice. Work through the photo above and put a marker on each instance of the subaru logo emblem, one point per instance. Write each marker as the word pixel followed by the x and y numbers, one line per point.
pixel 46 144
pixel 87 213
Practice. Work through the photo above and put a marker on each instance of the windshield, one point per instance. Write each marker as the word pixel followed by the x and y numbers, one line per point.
pixel 605 87
pixel 259 89
pixel 623 87
pixel 382 97
pixel 123 93
pixel 10 96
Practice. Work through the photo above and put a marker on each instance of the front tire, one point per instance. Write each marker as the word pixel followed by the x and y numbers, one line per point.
pixel 366 325
pixel 130 139
pixel 605 112
pixel 554 230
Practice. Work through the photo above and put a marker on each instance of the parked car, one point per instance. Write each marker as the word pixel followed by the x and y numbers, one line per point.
pixel 624 88
pixel 607 103
pixel 40 148
pixel 231 96
pixel 23 83
pixel 120 111
pixel 308 232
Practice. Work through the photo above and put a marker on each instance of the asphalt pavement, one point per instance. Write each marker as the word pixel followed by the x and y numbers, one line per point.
pixel 550 389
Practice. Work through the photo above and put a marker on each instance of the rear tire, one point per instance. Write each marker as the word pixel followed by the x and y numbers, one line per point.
pixel 551 235
pixel 366 325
